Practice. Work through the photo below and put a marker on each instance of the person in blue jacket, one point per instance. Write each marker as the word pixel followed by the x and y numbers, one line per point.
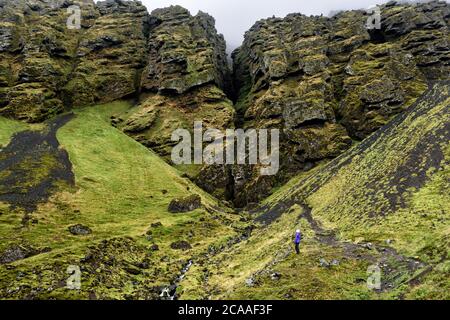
pixel 298 238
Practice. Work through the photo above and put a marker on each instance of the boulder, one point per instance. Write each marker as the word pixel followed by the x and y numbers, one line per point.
pixel 154 247
pixel 185 51
pixel 19 252
pixel 181 245
pixel 156 225
pixel 185 204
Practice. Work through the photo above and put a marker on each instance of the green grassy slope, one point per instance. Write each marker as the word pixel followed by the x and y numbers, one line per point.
pixel 9 127
pixel 385 203
pixel 121 190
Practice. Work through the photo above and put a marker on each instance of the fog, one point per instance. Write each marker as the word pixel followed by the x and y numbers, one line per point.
pixel 234 17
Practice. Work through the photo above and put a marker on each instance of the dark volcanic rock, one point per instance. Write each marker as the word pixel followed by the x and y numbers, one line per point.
pixel 14 253
pixel 110 56
pixel 45 66
pixel 36 56
pixel 323 81
pixel 185 204
pixel 156 225
pixel 181 245
pixel 184 52
pixel 186 79
pixel 19 252
pixel 154 247
pixel 80 230
pixel 35 164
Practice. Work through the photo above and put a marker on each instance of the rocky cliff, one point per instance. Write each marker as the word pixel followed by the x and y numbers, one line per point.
pixel 47 67
pixel 110 55
pixel 186 79
pixel 364 121
pixel 36 51
pixel 175 63
pixel 327 81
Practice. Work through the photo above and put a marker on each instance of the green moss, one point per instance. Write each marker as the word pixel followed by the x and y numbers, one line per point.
pixel 361 197
pixel 118 194
pixel 8 128
pixel 269 250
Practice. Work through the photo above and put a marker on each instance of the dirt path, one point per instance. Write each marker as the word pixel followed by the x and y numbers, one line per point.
pixel 32 165
pixel 393 265
pixel 396 269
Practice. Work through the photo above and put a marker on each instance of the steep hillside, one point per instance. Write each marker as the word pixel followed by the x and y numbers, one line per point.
pixel 88 187
pixel 383 203
pixel 110 219
pixel 327 81
pixel 186 79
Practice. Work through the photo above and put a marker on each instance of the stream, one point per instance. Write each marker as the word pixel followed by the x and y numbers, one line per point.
pixel 170 292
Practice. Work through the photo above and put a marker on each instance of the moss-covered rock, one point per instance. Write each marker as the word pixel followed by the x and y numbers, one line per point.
pixel 36 50
pixel 79 230
pixel 323 81
pixel 47 66
pixel 110 56
pixel 185 80
pixel 184 52
pixel 185 204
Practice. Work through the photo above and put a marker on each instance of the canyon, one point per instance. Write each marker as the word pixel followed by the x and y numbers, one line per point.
pixel 363 121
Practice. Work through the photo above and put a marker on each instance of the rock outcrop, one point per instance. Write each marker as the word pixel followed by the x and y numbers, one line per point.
pixel 47 66
pixel 327 81
pixel 36 51
pixel 185 205
pixel 110 56
pixel 186 79
pixel 185 52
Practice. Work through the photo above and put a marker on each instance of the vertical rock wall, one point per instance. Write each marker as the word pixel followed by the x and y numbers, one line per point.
pixel 327 81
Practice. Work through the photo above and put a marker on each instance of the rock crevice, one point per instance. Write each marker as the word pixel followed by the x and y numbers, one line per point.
pixel 325 82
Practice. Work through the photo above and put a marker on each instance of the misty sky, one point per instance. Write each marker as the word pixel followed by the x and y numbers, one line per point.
pixel 234 17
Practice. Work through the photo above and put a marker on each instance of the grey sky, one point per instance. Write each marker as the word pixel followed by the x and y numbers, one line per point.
pixel 234 17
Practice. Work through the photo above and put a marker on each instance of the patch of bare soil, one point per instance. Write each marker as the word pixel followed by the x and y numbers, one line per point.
pixel 32 165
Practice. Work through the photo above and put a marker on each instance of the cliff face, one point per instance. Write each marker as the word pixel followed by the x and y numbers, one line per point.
pixel 75 191
pixel 184 52
pixel 110 56
pixel 185 80
pixel 36 51
pixel 174 62
pixel 324 81
pixel 45 66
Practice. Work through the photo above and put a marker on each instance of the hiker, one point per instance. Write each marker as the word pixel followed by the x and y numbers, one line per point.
pixel 298 238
